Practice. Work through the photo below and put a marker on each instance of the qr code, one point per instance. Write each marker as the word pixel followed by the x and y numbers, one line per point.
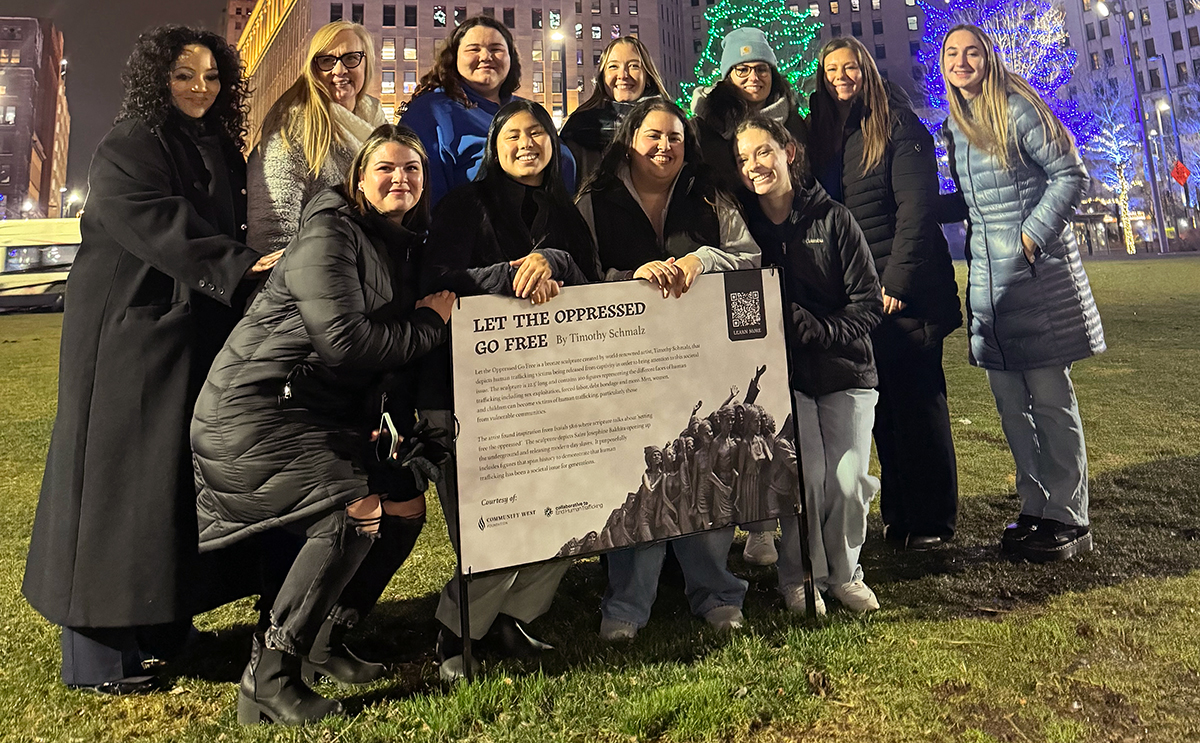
pixel 745 308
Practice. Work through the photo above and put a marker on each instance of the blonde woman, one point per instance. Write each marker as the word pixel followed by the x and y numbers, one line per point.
pixel 872 154
pixel 1031 310
pixel 310 135
pixel 626 75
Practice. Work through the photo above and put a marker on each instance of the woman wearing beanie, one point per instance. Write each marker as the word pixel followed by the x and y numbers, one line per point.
pixel 626 75
pixel 750 84
pixel 872 153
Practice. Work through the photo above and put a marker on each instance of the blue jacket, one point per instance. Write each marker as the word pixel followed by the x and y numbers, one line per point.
pixel 455 138
pixel 1024 315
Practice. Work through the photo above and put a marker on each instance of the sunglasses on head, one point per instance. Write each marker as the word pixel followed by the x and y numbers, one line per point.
pixel 349 60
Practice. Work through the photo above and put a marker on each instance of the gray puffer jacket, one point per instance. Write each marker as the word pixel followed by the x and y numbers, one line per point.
pixel 1023 315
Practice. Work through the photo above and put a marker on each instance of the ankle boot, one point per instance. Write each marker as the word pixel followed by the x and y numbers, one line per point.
pixel 330 657
pixel 271 690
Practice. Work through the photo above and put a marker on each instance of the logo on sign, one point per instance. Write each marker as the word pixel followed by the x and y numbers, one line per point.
pixel 1180 173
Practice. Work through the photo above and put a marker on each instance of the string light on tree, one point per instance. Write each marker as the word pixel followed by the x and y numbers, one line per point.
pixel 791 33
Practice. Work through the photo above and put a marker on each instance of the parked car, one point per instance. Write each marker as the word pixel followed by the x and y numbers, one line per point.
pixel 38 254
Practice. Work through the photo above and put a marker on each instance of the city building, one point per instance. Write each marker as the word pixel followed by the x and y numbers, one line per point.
pixel 34 120
pixel 557 40
pixel 237 14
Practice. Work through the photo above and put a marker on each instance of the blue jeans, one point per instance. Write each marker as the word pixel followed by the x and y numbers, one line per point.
pixel 633 577
pixel 835 450
pixel 1040 417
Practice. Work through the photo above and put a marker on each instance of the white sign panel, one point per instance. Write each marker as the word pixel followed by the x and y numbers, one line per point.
pixel 611 416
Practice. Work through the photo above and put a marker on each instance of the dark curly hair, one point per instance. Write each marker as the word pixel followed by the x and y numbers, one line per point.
pixel 147 79
pixel 444 73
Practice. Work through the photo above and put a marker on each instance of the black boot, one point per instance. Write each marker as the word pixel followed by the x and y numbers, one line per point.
pixel 330 657
pixel 271 690
pixel 508 638
pixel 1018 532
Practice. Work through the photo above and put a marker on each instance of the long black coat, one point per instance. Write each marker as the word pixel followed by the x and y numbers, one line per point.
pixel 335 325
pixel 114 539
pixel 895 203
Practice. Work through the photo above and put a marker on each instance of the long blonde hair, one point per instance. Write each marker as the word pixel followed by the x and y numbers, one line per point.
pixel 986 121
pixel 654 82
pixel 302 113
pixel 877 114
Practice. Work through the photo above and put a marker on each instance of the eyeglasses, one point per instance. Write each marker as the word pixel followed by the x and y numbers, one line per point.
pixel 349 60
pixel 743 71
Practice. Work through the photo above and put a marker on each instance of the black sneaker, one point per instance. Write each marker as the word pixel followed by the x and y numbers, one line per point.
pixel 1054 540
pixel 1016 533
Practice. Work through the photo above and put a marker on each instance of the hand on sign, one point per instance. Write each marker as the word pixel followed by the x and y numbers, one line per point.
pixel 532 270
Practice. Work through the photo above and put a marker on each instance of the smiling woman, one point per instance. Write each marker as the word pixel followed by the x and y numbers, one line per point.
pixel 155 289
pixel 311 133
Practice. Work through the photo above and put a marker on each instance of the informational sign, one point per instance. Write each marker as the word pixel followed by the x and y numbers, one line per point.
pixel 610 416
pixel 1181 173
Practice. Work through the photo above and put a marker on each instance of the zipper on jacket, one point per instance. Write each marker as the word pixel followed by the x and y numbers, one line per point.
pixel 987 250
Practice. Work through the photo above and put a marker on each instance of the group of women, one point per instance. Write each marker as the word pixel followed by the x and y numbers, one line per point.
pixel 198 457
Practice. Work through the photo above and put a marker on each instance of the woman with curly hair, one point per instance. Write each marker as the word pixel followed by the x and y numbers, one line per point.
pixel 311 134
pixel 475 73
pixel 155 290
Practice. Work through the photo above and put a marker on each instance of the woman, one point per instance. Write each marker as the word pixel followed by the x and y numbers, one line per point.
pixel 311 134
pixel 626 74
pixel 835 302
pixel 476 72
pixel 1020 179
pixel 872 153
pixel 157 286
pixel 750 84
pixel 513 231
pixel 656 218
pixel 281 427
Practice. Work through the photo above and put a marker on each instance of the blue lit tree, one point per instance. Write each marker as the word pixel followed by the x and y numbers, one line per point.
pixel 1031 38
pixel 793 36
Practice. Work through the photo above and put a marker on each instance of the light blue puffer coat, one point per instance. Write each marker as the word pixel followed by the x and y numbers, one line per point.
pixel 1024 315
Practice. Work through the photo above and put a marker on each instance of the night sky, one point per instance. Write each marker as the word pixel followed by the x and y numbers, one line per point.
pixel 98 36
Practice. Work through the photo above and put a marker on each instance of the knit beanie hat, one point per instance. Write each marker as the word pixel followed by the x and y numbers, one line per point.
pixel 745 45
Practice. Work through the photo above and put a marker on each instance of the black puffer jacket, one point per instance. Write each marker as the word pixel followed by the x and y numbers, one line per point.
pixel 280 428
pixel 831 286
pixel 718 113
pixel 588 131
pixel 895 203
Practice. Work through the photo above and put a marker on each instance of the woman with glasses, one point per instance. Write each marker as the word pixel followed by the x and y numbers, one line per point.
pixel 750 84
pixel 626 74
pixel 872 154
pixel 1029 305
pixel 310 135
pixel 513 231
pixel 282 432
pixel 476 72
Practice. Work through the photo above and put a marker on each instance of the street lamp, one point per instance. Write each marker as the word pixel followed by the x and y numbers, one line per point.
pixel 1103 11
pixel 1170 103
pixel 72 200
pixel 562 60
pixel 62 197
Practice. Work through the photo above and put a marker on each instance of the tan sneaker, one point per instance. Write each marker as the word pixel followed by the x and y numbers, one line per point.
pixel 855 596
pixel 725 618
pixel 760 548
pixel 793 597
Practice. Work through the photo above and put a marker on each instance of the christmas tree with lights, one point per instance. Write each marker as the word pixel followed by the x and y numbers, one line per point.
pixel 792 35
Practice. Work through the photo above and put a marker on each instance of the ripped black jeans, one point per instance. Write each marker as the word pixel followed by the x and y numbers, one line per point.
pixel 339 573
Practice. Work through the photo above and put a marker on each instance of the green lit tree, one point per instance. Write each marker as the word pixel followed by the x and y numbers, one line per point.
pixel 792 34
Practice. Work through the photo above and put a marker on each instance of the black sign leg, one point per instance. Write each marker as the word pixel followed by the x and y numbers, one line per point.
pixel 801 507
pixel 464 625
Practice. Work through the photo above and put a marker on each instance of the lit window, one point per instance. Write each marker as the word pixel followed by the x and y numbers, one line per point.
pixel 538 82
pixel 389 113
pixel 633 30
pixel 616 31
pixel 579 30
pixel 410 49
pixel 834 7
pixel 596 31
pixel 555 18
pixel 388 52
pixel 439 16
pixel 389 82
pixel 632 7
pixel 410 82
pixel 912 23
pixel 537 50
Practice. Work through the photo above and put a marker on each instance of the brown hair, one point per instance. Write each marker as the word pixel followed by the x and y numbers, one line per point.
pixel 798 169
pixel 417 218
pixel 877 115
pixel 600 93
pixel 301 114
pixel 986 121
pixel 444 73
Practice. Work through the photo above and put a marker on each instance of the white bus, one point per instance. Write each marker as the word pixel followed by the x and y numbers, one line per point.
pixel 37 256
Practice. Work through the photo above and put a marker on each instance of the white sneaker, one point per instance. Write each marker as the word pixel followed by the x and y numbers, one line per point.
pixel 793 597
pixel 725 618
pixel 614 630
pixel 760 548
pixel 855 596
pixel 454 669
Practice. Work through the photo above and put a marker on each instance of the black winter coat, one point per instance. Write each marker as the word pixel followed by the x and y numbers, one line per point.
pixel 831 286
pixel 588 132
pixel 895 203
pixel 717 117
pixel 148 307
pixel 336 326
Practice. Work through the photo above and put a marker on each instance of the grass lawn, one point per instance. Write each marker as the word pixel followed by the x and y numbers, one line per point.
pixel 968 646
